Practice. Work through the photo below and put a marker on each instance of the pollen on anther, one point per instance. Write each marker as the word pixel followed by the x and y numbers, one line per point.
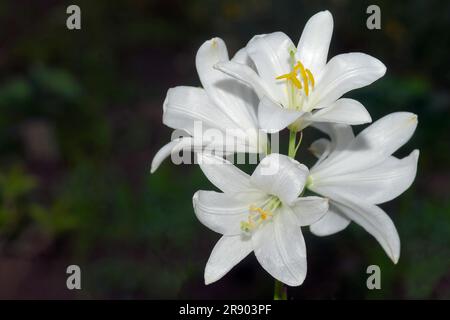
pixel 310 77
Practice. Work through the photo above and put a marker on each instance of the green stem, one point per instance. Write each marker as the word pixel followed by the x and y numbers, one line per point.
pixel 280 292
pixel 292 137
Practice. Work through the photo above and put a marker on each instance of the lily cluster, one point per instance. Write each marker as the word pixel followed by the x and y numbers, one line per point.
pixel 271 85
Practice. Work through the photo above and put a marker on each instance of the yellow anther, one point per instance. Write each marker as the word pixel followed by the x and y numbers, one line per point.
pixel 291 76
pixel 296 82
pixel 257 209
pixel 306 76
pixel 284 76
pixel 258 215
pixel 311 77
pixel 300 67
pixel 262 213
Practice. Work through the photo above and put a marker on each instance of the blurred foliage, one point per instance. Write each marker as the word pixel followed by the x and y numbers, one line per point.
pixel 81 120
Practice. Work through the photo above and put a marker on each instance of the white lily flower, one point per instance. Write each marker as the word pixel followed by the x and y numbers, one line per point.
pixel 223 105
pixel 357 173
pixel 297 86
pixel 261 213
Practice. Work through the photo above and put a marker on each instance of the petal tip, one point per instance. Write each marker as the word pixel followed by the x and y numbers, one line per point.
pixel 210 276
pixel 154 166
pixel 367 118
pixel 208 279
pixel 395 259
pixel 326 13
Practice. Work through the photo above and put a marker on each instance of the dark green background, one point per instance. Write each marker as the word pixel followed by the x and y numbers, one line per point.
pixel 80 121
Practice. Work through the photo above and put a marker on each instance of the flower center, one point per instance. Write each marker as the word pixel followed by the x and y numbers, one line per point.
pixel 300 81
pixel 259 215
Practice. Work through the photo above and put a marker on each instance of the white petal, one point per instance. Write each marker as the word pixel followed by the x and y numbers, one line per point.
pixel 373 219
pixel 372 146
pixel 172 147
pixel 280 176
pixel 387 134
pixel 210 53
pixel 241 56
pixel 341 136
pixel 222 89
pixel 320 148
pixel 309 209
pixel 378 184
pixel 185 105
pixel 332 222
pixel 271 55
pixel 227 253
pixel 346 111
pixel 272 117
pixel 247 76
pixel 223 213
pixel 206 146
pixel 244 92
pixel 342 74
pixel 315 41
pixel 280 248
pixel 224 175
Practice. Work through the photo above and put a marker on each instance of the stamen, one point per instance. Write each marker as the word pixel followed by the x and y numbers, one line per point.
pixel 284 76
pixel 296 82
pixel 259 215
pixel 300 67
pixel 291 76
pixel 306 76
pixel 310 77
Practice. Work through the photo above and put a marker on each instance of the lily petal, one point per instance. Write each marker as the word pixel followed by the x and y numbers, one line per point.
pixel 345 111
pixel 372 146
pixel 272 117
pixel 373 219
pixel 222 89
pixel 172 147
pixel 312 49
pixel 227 253
pixel 185 105
pixel 244 92
pixel 320 148
pixel 280 248
pixel 378 184
pixel 281 176
pixel 223 213
pixel 343 73
pixel 241 56
pixel 341 135
pixel 309 209
pixel 271 55
pixel 332 222
pixel 247 76
pixel 224 175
